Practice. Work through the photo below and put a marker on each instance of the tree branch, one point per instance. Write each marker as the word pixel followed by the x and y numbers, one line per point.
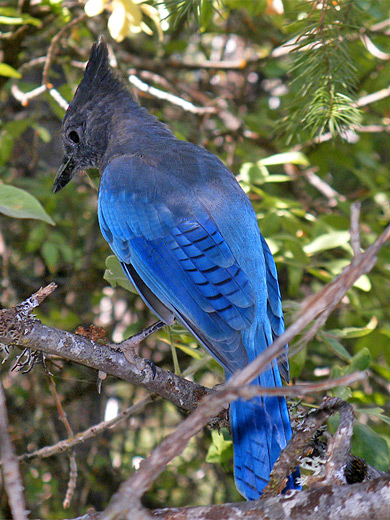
pixel 18 327
pixel 90 433
pixel 356 502
pixel 10 468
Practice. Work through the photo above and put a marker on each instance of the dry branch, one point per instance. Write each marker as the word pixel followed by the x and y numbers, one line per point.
pixel 83 436
pixel 369 500
pixel 10 468
pixel 21 329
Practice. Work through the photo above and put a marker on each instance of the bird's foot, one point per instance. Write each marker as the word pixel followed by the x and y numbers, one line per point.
pixel 128 348
pixel 140 362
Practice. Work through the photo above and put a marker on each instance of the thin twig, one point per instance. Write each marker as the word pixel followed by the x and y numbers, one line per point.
pixel 85 435
pixel 330 193
pixel 373 98
pixel 166 96
pixel 58 98
pixel 10 467
pixel 24 97
pixel 54 43
pixel 135 340
pixel 250 391
pixel 373 49
pixel 72 457
pixel 36 299
pixel 355 229
pixel 373 129
pixel 302 435
pixel 73 472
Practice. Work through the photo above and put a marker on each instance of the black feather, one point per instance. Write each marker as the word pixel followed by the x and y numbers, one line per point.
pixel 101 83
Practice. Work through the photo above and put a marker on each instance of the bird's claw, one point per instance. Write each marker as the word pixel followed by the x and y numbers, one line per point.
pixel 152 366
pixel 138 361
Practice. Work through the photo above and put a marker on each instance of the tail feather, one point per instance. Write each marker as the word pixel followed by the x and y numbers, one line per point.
pixel 260 428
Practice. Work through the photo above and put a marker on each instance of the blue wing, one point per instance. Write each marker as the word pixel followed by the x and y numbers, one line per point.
pixel 186 265
pixel 274 306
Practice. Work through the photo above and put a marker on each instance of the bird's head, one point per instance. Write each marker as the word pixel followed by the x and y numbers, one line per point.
pixel 87 122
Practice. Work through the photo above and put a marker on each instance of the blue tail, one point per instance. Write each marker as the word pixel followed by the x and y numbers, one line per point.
pixel 260 428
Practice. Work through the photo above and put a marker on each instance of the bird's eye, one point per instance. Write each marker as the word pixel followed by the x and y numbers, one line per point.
pixel 74 136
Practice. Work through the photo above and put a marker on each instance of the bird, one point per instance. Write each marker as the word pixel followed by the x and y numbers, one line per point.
pixel 187 237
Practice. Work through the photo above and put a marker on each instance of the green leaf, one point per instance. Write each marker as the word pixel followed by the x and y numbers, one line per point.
pixel 43 133
pixel 221 448
pixel 277 178
pixel 383 371
pixel 10 16
pixel 336 266
pixel 206 15
pixel 51 255
pixel 370 446
pixel 18 203
pixel 375 412
pixel 10 72
pixel 363 283
pixel 297 362
pixel 6 146
pixel 253 173
pixel 285 158
pixel 115 275
pixel 355 332
pixel 342 392
pixel 377 343
pixel 193 352
pixel 361 360
pixel 327 241
pixel 336 346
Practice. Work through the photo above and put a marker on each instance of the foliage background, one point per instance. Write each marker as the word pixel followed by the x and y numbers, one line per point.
pixel 261 101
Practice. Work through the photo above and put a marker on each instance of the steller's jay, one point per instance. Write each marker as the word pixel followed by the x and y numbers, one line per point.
pixel 187 237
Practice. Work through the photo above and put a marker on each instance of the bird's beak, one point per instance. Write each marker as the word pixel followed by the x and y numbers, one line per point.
pixel 65 173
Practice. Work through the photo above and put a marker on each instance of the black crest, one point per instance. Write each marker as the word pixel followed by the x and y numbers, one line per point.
pixel 100 81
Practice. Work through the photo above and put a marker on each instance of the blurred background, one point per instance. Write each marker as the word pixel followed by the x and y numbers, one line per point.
pixel 293 96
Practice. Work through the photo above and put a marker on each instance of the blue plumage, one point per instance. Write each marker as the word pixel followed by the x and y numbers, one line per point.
pixel 187 236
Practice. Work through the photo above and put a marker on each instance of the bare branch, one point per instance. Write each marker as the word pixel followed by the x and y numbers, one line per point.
pixel 355 229
pixel 54 43
pixel 339 448
pixel 90 433
pixel 373 98
pixel 19 328
pixel 166 96
pixel 331 194
pixel 373 49
pixel 356 502
pixel 10 468
pixel 250 391
pixel 72 457
pixel 24 97
pixel 127 499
